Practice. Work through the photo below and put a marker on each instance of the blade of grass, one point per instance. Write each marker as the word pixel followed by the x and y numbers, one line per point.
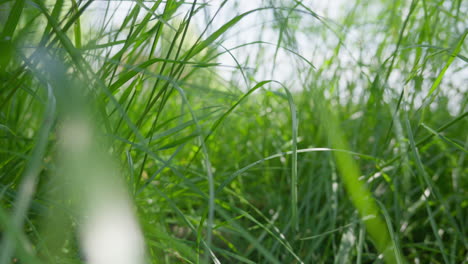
pixel 30 177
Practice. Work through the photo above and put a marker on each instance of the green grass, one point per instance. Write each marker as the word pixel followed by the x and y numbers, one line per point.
pixel 335 137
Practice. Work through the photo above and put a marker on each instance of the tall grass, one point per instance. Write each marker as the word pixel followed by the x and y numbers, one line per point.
pixel 233 132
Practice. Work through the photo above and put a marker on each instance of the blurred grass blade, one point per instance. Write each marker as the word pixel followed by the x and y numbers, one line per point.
pixel 30 178
pixel 12 22
pixel 359 193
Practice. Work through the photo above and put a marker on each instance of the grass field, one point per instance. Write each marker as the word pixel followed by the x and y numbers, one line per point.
pixel 233 131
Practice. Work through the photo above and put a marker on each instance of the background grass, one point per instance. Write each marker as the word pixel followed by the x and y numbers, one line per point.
pixel 260 132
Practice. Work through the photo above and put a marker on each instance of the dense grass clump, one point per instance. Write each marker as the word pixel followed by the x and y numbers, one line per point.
pixel 233 131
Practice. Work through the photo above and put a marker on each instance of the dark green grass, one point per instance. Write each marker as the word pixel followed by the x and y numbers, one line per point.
pixel 357 156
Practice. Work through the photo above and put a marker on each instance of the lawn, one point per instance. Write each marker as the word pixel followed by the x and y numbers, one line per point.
pixel 240 131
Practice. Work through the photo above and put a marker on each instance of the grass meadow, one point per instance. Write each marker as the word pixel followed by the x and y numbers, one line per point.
pixel 233 131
